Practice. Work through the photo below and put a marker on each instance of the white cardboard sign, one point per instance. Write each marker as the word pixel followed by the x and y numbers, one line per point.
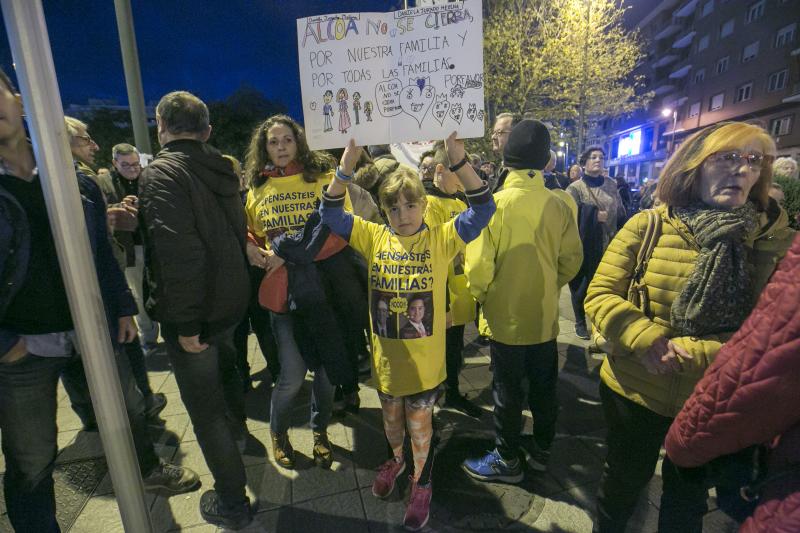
pixel 410 75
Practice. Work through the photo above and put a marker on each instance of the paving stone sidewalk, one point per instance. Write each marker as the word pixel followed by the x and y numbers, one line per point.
pixel 309 499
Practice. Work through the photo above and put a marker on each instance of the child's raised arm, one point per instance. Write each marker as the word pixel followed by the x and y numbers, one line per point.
pixel 481 203
pixel 460 165
pixel 332 208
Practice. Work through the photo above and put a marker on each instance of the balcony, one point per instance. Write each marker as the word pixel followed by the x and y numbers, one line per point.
pixel 665 60
pixel 684 41
pixel 664 88
pixel 686 9
pixel 680 72
pixel 795 96
pixel 668 31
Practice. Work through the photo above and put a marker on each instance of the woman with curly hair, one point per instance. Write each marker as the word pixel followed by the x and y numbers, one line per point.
pixel 286 180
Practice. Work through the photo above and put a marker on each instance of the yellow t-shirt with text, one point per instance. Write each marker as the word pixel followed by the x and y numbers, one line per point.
pixel 462 304
pixel 283 204
pixel 407 280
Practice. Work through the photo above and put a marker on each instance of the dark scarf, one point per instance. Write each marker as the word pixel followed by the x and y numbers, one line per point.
pixel 719 293
pixel 271 171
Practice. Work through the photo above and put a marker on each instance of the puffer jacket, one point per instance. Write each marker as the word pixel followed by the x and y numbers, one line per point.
pixel 520 261
pixel 749 396
pixel 669 268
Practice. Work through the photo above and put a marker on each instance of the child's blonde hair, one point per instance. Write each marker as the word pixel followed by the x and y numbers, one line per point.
pixel 402 182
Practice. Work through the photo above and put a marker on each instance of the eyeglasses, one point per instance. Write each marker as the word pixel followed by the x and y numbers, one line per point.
pixel 128 166
pixel 87 139
pixel 426 168
pixel 500 132
pixel 733 160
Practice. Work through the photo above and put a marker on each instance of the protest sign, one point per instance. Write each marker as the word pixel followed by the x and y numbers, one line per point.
pixel 409 75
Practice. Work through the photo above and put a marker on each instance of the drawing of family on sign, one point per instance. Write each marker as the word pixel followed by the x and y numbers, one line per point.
pixel 415 99
pixel 344 113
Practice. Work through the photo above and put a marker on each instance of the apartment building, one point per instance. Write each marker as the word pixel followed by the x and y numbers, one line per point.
pixel 709 61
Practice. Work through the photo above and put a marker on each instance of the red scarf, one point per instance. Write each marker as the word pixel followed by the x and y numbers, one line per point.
pixel 271 171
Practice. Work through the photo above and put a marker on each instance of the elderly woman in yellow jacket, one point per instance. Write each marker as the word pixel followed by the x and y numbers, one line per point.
pixel 720 239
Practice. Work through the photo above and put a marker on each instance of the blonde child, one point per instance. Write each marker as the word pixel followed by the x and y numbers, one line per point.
pixel 408 264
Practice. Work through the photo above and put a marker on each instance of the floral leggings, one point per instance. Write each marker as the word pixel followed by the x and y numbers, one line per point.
pixel 414 412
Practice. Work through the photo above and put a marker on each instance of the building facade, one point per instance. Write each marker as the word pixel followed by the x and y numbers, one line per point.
pixel 709 61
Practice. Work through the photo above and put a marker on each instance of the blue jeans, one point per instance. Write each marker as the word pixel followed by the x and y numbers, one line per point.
pixel 292 376
pixel 28 428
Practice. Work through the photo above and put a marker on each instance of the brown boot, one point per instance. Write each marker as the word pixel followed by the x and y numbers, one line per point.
pixel 323 456
pixel 282 450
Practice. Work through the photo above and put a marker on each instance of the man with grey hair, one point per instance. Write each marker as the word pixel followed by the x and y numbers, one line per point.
pixel 83 150
pixel 503 125
pixel 125 178
pixel 197 272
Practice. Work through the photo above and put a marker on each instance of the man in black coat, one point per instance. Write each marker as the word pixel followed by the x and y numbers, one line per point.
pixel 199 289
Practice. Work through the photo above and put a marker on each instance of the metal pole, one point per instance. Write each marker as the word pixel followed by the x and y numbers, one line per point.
pixel 674 125
pixel 30 47
pixel 133 76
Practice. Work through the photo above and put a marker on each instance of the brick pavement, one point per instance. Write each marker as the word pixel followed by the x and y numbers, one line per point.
pixel 314 500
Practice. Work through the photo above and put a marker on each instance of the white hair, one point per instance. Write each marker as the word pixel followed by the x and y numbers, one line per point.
pixel 785 167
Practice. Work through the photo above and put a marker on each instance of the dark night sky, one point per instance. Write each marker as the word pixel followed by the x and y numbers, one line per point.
pixel 208 47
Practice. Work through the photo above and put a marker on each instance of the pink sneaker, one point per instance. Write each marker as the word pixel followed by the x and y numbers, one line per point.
pixel 419 506
pixel 388 472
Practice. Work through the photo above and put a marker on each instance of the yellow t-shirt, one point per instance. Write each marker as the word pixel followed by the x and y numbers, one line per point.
pixel 462 304
pixel 283 204
pixel 407 280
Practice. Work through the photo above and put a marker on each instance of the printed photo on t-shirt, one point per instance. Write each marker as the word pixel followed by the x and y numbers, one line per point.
pixel 416 320
pixel 384 318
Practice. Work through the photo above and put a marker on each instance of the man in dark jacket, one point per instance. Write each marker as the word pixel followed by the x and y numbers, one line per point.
pixel 37 334
pixel 199 289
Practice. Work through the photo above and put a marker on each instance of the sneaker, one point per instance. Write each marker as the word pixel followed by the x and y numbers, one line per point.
pixel 581 331
pixel 492 467
pixel 533 454
pixel 212 511
pixel 454 400
pixel 154 404
pixel 323 456
pixel 418 510
pixel 172 478
pixel 388 473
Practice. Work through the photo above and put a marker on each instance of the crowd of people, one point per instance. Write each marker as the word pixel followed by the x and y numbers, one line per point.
pixel 350 261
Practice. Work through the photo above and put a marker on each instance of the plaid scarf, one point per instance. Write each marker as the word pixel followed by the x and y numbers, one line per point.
pixel 719 294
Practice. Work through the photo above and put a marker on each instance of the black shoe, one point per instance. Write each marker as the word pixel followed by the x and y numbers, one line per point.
pixel 455 400
pixel 154 404
pixel 352 402
pixel 172 478
pixel 533 454
pixel 482 340
pixel 212 511
pixel 581 331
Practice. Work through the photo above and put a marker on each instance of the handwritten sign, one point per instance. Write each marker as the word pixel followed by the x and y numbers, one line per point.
pixel 410 75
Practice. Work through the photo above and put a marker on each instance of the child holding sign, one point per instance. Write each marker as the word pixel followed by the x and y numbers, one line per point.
pixel 408 264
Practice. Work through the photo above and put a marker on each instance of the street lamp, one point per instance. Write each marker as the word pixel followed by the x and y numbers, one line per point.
pixel 665 113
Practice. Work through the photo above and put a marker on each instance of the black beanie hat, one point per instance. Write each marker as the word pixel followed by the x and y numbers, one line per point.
pixel 528 146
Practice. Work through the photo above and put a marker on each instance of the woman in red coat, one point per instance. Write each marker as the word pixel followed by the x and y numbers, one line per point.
pixel 749 396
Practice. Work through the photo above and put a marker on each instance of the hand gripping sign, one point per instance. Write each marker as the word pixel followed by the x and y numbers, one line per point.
pixel 382 78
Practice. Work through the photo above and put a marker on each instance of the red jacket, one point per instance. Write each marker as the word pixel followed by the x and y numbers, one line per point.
pixel 749 395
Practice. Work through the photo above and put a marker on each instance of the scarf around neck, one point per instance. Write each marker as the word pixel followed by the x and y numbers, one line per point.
pixel 719 294
pixel 271 171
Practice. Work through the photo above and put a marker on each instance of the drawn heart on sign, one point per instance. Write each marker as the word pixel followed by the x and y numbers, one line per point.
pixel 480 115
pixel 313 106
pixel 472 112
pixel 440 108
pixel 457 112
pixel 416 101
pixel 393 32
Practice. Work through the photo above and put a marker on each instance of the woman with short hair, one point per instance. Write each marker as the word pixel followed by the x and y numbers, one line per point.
pixel 720 239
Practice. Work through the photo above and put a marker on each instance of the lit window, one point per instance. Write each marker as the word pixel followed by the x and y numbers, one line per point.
pixel 700 75
pixel 702 44
pixel 780 126
pixel 744 92
pixel 722 65
pixel 708 7
pixel 750 52
pixel 726 29
pixel 716 102
pixel 785 35
pixel 755 11
pixel 694 110
pixel 777 80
